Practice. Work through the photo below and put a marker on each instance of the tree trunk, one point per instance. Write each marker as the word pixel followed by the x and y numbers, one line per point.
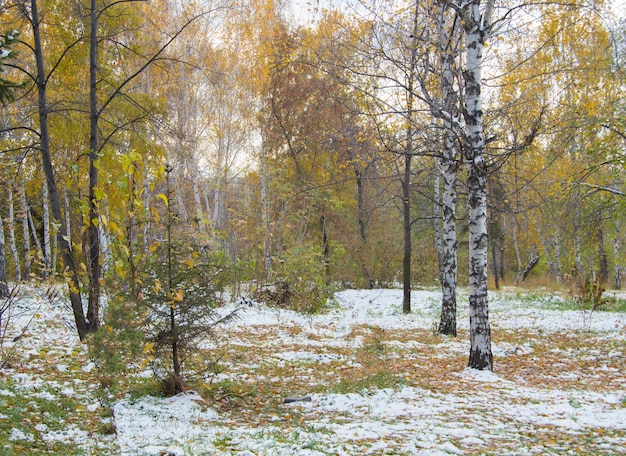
pixel 447 324
pixel 35 236
pixel 576 239
pixel 12 243
pixel 447 43
pixel 603 262
pixel 477 31
pixel 47 250
pixel 82 325
pixel 406 206
pixel 183 215
pixel 360 204
pixel 618 263
pixel 408 155
pixel 437 220
pixel 494 260
pixel 93 232
pixel 4 284
pixel 265 220
pixel 146 223
pixel 196 195
pixel 557 258
pixel 25 230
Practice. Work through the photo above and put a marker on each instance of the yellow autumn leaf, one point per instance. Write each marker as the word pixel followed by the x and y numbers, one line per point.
pixel 177 296
pixel 148 348
pixel 164 198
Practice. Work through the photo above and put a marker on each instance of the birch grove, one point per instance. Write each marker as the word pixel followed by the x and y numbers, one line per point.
pixel 394 144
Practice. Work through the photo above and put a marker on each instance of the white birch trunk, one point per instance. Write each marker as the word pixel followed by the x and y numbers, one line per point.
pixel 25 229
pixel 618 263
pixel 477 26
pixel 265 222
pixel 218 195
pixel 181 209
pixel 33 230
pixel 68 226
pixel 447 36
pixel 47 250
pixel 12 243
pixel 576 239
pixel 437 220
pixel 4 286
pixel 557 258
pixel 447 325
pixel 196 196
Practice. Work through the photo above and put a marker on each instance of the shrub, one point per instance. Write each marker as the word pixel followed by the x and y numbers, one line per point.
pixel 301 282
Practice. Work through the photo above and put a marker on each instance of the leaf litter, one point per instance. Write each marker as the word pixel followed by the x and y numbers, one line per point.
pixel 379 382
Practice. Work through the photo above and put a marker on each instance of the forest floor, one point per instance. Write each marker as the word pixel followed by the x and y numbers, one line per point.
pixel 379 382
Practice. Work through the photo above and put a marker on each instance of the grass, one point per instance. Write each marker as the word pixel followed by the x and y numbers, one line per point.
pixel 249 395
pixel 29 417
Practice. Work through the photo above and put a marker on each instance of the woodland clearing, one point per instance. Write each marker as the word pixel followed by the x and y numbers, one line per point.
pixel 379 382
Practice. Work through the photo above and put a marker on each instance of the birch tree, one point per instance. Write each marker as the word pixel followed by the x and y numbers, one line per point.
pixel 4 284
pixel 476 17
pixel 448 40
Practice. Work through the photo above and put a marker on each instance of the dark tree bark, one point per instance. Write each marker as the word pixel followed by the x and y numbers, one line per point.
pixel 408 155
pixel 82 325
pixel 477 25
pixel 93 233
pixel 406 206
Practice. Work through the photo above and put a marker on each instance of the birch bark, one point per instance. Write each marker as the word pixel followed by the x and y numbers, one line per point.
pixel 12 244
pixel 23 215
pixel 4 285
pixel 477 26
pixel 47 250
pixel 447 36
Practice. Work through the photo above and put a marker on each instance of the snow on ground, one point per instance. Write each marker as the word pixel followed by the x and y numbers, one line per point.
pixel 379 382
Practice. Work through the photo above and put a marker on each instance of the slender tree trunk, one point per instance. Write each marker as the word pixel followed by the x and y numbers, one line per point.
pixel 494 261
pixel 93 232
pixel 33 230
pixel 68 218
pixel 576 239
pixel 406 208
pixel 408 155
pixel 146 223
pixel 477 31
pixel 437 220
pixel 12 243
pixel 47 250
pixel 183 215
pixel 170 286
pixel 358 174
pixel 265 221
pixel 196 196
pixel 25 230
pixel 603 262
pixel 4 284
pixel 447 324
pixel 518 254
pixel 325 245
pixel 448 38
pixel 74 283
pixel 618 263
